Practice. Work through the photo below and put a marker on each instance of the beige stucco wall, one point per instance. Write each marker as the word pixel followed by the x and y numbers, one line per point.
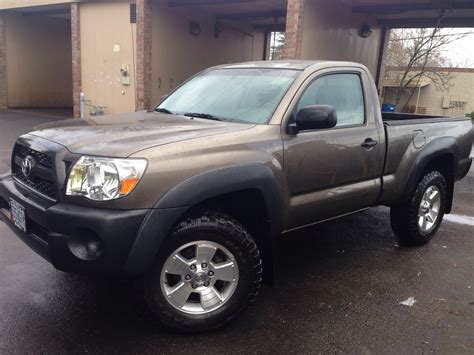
pixel 12 4
pixel 330 32
pixel 176 54
pixel 432 98
pixel 106 26
pixel 39 69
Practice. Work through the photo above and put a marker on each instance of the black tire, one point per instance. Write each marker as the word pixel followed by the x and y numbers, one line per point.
pixel 404 217
pixel 236 239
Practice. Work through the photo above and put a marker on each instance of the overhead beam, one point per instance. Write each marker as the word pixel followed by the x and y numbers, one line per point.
pixel 176 3
pixel 433 5
pixel 252 15
pixel 47 12
pixel 271 28
pixel 427 22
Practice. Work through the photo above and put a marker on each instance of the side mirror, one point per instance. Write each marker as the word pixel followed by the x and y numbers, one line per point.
pixel 316 117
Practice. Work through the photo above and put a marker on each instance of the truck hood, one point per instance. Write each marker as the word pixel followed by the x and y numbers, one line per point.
pixel 122 135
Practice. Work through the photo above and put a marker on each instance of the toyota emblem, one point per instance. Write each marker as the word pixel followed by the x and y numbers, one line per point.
pixel 27 166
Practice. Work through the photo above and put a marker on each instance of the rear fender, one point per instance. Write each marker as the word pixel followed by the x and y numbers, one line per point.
pixel 432 151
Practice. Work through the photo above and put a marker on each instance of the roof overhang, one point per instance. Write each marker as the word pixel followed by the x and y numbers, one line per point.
pixel 268 14
pixel 417 13
pixel 31 4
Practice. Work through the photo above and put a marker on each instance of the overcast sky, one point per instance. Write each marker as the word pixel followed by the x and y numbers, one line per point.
pixel 461 51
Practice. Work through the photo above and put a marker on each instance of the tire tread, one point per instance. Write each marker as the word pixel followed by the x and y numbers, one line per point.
pixel 239 233
pixel 404 217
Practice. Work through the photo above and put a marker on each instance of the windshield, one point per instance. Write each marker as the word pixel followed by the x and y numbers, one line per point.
pixel 240 95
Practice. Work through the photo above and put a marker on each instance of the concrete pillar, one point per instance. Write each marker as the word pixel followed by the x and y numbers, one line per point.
pixel 294 29
pixel 3 65
pixel 144 42
pixel 76 58
pixel 383 47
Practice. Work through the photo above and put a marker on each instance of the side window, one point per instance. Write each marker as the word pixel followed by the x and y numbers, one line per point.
pixel 343 92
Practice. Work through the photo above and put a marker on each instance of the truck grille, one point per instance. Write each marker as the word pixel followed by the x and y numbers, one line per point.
pixel 41 178
pixel 42 158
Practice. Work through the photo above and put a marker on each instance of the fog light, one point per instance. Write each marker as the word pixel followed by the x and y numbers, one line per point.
pixel 94 248
pixel 85 245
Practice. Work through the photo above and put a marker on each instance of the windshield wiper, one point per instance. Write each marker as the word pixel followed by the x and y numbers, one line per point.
pixel 206 116
pixel 163 110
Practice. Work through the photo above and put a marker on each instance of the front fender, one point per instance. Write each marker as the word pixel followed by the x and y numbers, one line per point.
pixel 160 221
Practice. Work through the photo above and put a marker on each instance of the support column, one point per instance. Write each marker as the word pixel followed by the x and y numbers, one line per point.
pixel 144 41
pixel 76 58
pixel 383 47
pixel 3 65
pixel 294 30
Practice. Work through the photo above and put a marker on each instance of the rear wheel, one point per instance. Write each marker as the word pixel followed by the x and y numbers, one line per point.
pixel 207 272
pixel 416 221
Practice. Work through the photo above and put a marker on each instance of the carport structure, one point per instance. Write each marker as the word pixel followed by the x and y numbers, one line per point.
pixel 37 47
pixel 126 54
pixel 333 30
pixel 182 37
pixel 353 30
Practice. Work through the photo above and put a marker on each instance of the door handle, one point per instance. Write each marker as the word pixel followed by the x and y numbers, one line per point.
pixel 369 143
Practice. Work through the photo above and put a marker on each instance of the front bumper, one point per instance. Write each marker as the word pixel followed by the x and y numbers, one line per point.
pixel 73 238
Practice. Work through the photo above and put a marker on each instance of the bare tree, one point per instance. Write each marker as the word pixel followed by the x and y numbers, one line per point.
pixel 277 43
pixel 416 52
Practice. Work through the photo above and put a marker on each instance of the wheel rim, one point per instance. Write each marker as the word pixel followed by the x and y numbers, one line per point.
pixel 199 277
pixel 428 213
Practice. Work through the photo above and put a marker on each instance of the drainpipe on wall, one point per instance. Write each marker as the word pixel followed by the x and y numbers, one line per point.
pixel 82 102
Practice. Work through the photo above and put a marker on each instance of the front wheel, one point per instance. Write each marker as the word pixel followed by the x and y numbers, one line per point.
pixel 208 271
pixel 416 221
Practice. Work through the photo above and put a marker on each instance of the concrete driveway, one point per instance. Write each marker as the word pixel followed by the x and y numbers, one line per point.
pixel 338 290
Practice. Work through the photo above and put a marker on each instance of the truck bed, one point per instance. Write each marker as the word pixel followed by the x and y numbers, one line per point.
pixel 409 135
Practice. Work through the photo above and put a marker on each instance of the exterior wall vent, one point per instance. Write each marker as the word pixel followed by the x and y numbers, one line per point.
pixel 133 13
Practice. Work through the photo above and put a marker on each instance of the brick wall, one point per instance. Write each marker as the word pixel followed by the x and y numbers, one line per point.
pixel 144 41
pixel 3 65
pixel 294 30
pixel 76 57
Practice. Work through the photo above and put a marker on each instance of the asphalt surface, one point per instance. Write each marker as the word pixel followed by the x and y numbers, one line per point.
pixel 338 290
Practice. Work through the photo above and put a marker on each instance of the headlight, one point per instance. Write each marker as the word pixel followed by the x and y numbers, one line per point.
pixel 103 179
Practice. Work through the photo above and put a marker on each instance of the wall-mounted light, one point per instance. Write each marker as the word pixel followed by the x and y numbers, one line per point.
pixel 365 31
pixel 195 28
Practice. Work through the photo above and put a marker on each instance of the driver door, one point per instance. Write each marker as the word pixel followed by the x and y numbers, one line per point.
pixel 329 171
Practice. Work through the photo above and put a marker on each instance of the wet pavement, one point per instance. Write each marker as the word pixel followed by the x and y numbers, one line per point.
pixel 338 290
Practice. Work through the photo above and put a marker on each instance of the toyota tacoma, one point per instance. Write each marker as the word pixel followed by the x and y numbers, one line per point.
pixel 190 196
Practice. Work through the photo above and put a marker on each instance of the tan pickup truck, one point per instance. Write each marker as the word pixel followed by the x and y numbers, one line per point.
pixel 190 197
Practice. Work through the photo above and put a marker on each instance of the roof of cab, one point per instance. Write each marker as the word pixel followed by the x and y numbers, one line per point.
pixel 274 64
pixel 286 64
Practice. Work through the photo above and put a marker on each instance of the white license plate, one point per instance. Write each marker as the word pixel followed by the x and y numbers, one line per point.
pixel 18 216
